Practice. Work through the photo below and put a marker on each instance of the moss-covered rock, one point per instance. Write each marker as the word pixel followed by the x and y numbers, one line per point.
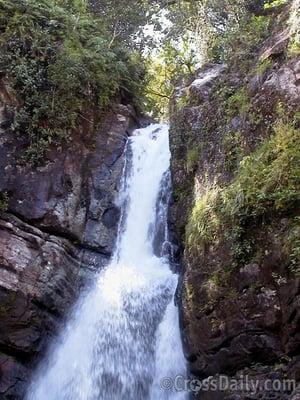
pixel 236 157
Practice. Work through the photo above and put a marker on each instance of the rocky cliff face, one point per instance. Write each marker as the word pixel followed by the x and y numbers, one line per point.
pixel 240 287
pixel 60 225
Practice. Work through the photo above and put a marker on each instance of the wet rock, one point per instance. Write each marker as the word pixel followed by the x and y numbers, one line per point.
pixel 202 84
pixel 249 275
pixel 111 216
pixel 59 231
pixel 237 123
pixel 239 312
pixel 13 378
pixel 39 280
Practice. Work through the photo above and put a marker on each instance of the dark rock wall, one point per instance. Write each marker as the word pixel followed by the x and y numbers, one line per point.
pixel 241 320
pixel 59 228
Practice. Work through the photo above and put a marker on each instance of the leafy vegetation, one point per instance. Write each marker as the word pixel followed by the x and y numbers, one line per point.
pixel 60 65
pixel 204 223
pixel 193 157
pixel 238 103
pixel 227 31
pixel 233 150
pixel 267 183
pixel 269 179
pixel 264 66
pixel 240 41
pixel 67 59
pixel 164 70
pixel 292 247
pixel 294 46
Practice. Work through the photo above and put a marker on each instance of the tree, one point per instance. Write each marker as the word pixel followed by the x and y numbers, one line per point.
pixel 123 19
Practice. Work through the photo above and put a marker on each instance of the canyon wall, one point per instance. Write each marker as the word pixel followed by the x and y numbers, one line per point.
pixel 235 143
pixel 58 228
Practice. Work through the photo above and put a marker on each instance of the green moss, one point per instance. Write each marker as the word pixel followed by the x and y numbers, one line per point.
pixel 232 148
pixel 193 156
pixel 296 118
pixel 267 183
pixel 3 201
pixel 221 277
pixel 182 193
pixel 190 293
pixel 269 179
pixel 204 222
pixel 294 48
pixel 292 247
pixel 241 250
pixel 264 66
pixel 255 117
pixel 238 104
pixel 184 100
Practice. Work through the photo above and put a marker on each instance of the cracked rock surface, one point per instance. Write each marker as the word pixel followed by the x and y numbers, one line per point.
pixel 60 227
pixel 238 318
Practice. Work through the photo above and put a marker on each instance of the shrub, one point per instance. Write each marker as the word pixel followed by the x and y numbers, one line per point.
pixel 233 150
pixel 240 41
pixel 60 64
pixel 269 179
pixel 239 103
pixel 267 183
pixel 204 222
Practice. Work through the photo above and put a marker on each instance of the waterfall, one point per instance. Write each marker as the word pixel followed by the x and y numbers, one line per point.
pixel 123 337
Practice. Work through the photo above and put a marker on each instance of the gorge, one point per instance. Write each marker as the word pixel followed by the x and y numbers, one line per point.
pixel 124 336
pixel 133 252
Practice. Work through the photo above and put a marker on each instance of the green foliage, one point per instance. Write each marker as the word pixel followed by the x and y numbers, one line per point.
pixel 293 248
pixel 274 3
pixel 294 46
pixel 264 66
pixel 158 88
pixel 204 222
pixel 218 279
pixel 256 116
pixel 189 293
pixel 232 148
pixel 294 26
pixel 240 41
pixel 220 31
pixel 238 104
pixel 3 201
pixel 193 156
pixel 269 179
pixel 267 183
pixel 184 100
pixel 296 118
pixel 213 25
pixel 59 63
pixel 123 20
pixel 163 72
pixel 202 31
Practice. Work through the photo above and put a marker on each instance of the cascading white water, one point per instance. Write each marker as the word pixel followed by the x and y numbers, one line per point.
pixel 124 337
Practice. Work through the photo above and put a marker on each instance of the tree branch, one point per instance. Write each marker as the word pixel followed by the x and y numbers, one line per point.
pixel 158 94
